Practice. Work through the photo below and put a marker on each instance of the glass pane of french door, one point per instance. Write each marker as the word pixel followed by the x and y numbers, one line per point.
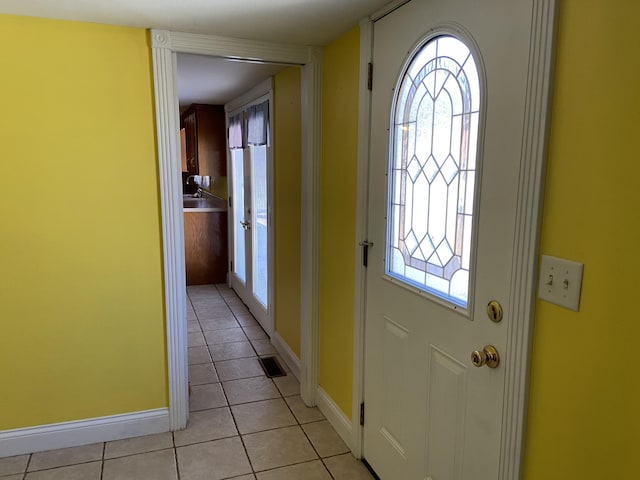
pixel 239 244
pixel 259 219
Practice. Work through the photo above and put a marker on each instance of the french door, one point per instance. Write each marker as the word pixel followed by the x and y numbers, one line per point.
pixel 250 218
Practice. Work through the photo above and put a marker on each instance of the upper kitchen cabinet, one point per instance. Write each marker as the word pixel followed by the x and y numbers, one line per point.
pixel 205 142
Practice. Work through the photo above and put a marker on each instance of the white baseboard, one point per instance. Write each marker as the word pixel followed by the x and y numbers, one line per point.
pixel 290 358
pixel 83 432
pixel 335 416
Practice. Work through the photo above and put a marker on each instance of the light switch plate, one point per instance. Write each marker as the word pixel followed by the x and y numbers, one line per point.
pixel 560 282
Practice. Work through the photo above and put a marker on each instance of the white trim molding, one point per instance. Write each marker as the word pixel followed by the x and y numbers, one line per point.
pixel 83 432
pixel 165 46
pixel 335 416
pixel 525 260
pixel 290 358
pixel 310 225
pixel 528 219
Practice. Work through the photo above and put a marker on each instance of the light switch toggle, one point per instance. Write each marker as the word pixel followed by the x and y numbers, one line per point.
pixel 560 282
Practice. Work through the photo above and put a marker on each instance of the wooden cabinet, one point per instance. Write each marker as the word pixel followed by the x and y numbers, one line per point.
pixel 205 140
pixel 205 244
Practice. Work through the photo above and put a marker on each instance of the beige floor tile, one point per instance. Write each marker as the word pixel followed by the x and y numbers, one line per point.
pixel 230 351
pixel 221 323
pixel 212 311
pixel 195 339
pixel 303 413
pixel 146 466
pixel 65 456
pixel 202 373
pixel 213 460
pixel 227 335
pixel 17 464
pixel 263 347
pixel 240 368
pixel 198 355
pixel 247 320
pixel 255 333
pixel 206 300
pixel 233 300
pixel 278 448
pixel 265 415
pixel 325 439
pixel 346 467
pixel 239 310
pixel 205 426
pixel 191 316
pixel 243 477
pixel 193 326
pixel 206 396
pixel 20 476
pixel 288 385
pixel 84 471
pixel 250 390
pixel 132 446
pixel 308 471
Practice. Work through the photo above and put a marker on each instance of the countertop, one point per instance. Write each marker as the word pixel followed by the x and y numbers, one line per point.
pixel 206 203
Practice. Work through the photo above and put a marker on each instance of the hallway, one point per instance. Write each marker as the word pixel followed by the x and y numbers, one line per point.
pixel 243 425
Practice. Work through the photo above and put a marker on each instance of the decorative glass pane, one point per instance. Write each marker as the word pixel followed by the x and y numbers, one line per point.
pixel 435 136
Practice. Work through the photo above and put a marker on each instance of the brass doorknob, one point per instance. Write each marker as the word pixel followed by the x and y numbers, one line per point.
pixel 488 356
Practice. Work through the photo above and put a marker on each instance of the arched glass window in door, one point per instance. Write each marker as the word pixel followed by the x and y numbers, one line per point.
pixel 433 170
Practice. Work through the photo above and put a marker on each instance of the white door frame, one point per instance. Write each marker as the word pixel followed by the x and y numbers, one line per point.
pixel 525 262
pixel 165 45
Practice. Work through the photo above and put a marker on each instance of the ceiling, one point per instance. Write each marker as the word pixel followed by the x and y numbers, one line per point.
pixel 216 81
pixel 304 22
pixel 206 79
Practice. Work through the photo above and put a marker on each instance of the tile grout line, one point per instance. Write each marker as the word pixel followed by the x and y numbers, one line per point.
pixel 175 455
pixel 104 449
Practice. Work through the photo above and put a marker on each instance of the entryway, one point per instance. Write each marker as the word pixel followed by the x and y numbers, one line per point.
pixel 458 115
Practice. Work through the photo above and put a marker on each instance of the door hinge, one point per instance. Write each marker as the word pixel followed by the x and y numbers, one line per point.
pixel 362 414
pixel 365 252
pixel 231 266
pixel 230 202
pixel 370 76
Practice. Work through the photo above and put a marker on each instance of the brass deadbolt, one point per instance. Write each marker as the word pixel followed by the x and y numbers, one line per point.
pixel 494 311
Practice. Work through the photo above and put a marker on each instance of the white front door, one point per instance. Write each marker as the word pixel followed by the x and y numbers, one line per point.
pixel 448 108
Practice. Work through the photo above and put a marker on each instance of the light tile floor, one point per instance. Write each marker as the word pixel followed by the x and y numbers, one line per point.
pixel 242 424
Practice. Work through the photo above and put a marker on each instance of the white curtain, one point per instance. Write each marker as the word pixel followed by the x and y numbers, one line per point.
pixel 235 131
pixel 258 124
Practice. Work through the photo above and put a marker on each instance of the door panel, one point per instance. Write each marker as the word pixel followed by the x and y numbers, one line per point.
pixel 429 413
pixel 250 217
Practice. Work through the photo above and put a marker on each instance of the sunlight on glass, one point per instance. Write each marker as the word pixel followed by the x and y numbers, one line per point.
pixel 259 222
pixel 432 172
pixel 237 166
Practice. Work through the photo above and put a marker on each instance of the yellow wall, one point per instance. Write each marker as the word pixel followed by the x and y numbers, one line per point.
pixel 81 307
pixel 288 151
pixel 585 392
pixel 339 162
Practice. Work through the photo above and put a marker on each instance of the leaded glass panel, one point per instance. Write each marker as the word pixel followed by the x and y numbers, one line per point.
pixel 435 136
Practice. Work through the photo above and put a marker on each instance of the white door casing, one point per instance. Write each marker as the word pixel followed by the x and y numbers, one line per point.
pixel 487 440
pixel 165 45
